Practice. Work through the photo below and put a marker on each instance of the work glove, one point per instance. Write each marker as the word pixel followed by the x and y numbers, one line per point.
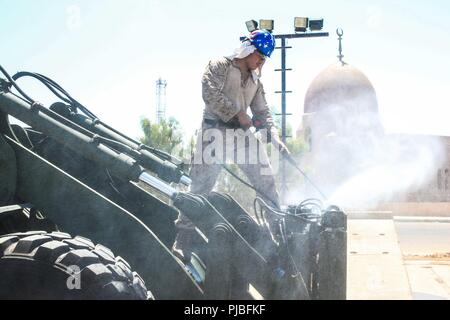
pixel 259 122
pixel 244 120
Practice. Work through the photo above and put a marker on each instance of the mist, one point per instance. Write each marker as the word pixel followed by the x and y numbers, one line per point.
pixel 400 166
pixel 358 166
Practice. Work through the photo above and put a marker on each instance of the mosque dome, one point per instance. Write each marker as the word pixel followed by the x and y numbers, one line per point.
pixel 340 85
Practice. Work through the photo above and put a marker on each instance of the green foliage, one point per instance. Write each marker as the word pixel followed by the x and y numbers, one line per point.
pixel 226 183
pixel 297 146
pixel 166 136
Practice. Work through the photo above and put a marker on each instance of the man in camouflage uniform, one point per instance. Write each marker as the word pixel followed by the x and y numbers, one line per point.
pixel 229 86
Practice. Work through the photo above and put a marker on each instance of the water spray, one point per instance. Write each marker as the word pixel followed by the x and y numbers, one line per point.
pixel 291 160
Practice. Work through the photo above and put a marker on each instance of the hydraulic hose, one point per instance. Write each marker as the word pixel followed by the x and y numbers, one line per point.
pixel 156 160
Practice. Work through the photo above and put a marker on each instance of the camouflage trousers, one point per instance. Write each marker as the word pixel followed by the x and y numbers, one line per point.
pixel 218 145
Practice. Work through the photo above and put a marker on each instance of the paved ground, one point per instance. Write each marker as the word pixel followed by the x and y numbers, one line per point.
pixel 400 258
pixel 425 244
pixel 429 280
pixel 375 269
pixel 419 237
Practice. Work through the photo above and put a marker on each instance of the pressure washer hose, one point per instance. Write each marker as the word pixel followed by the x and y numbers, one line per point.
pixel 289 159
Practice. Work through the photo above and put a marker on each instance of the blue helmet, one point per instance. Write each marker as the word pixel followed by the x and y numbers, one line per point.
pixel 264 41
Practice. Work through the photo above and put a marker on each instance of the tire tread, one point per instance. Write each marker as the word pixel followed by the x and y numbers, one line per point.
pixel 97 263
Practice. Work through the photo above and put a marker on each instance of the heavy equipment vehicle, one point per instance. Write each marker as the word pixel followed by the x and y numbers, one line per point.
pixel 68 181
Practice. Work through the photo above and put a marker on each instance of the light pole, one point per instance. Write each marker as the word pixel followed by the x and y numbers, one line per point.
pixel 301 26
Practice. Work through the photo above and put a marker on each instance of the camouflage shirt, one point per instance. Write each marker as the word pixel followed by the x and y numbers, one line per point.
pixel 225 94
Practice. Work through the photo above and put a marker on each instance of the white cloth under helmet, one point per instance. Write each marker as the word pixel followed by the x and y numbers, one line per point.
pixel 244 50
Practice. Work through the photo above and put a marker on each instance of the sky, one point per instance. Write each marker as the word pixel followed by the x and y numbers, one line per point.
pixel 108 54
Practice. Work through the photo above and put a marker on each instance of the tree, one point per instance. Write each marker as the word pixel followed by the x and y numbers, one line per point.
pixel 296 145
pixel 166 136
pixel 226 183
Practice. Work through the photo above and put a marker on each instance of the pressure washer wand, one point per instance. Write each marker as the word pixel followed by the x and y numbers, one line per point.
pixel 291 160
pixel 260 123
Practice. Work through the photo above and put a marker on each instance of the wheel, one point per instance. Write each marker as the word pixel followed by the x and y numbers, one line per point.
pixel 41 265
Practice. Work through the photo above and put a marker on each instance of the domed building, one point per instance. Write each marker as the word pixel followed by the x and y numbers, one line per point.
pixel 339 83
pixel 350 157
pixel 339 101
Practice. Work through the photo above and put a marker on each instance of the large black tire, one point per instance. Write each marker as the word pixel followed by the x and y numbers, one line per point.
pixel 40 265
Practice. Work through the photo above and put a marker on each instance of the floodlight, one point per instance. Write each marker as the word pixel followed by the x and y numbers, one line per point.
pixel 266 24
pixel 300 24
pixel 252 25
pixel 315 25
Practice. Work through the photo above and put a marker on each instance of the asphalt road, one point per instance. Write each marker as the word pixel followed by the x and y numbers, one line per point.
pixel 429 279
pixel 423 238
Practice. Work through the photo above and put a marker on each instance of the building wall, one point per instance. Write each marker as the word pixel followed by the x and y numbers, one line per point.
pixel 438 190
pixel 323 144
